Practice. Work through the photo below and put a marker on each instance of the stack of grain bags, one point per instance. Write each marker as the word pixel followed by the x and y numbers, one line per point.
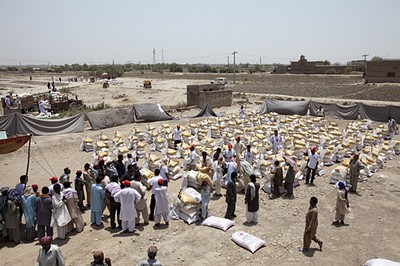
pixel 87 144
pixel 373 150
pixel 101 146
pixel 133 140
pixel 298 133
pixel 153 161
pixel 187 204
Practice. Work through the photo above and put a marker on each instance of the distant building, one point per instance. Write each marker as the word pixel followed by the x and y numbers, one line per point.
pixel 383 71
pixel 358 65
pixel 303 66
pixel 281 69
pixel 214 94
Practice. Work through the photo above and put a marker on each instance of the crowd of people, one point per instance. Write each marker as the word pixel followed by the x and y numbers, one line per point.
pixel 119 186
pixel 60 206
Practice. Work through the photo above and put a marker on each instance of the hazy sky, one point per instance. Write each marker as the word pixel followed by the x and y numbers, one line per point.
pixel 98 31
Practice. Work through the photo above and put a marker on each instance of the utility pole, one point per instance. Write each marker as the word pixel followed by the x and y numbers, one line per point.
pixel 260 61
pixel 154 56
pixel 228 60
pixel 365 62
pixel 162 56
pixel 234 65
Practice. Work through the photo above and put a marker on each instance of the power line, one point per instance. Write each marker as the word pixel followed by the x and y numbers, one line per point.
pixel 265 56
pixel 197 57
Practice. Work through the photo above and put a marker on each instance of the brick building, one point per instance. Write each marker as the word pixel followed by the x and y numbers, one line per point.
pixel 383 71
pixel 214 94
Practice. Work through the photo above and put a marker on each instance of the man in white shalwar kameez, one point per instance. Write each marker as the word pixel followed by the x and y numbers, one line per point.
pixel 239 148
pixel 217 176
pixel 192 158
pixel 162 208
pixel 276 140
pixel 392 127
pixel 205 198
pixel 61 216
pixel 229 154
pixel 231 168
pixel 128 197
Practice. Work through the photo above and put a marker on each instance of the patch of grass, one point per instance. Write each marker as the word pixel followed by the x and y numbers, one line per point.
pixel 97 107
pixel 71 112
pixel 179 105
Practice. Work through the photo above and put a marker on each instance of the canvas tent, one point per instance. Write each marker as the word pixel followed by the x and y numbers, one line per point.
pixel 284 107
pixel 376 113
pixel 110 117
pixel 16 123
pixel 395 113
pixel 334 110
pixel 207 111
pixel 150 112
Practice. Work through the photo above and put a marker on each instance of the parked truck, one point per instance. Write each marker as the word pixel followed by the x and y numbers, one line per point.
pixel 23 103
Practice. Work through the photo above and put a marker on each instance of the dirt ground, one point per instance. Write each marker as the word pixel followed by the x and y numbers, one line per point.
pixel 371 231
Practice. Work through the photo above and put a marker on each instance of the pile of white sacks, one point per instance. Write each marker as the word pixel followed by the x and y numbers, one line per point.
pixel 335 146
pixel 186 205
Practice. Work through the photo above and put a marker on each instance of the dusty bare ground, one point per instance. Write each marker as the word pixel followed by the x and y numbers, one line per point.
pixel 371 231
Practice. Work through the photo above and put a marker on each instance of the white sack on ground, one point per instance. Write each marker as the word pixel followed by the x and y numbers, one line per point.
pixel 380 262
pixel 247 241
pixel 217 222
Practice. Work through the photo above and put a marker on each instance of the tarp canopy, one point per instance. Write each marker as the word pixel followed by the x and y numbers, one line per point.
pixel 285 107
pixel 263 108
pixel 395 113
pixel 334 110
pixel 20 124
pixel 110 117
pixel 150 112
pixel 207 111
pixel 376 113
pixel 8 123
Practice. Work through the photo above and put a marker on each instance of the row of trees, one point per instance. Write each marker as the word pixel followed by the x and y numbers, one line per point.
pixel 119 69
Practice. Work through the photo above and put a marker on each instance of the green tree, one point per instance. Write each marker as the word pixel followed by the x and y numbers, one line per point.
pixel 376 59
pixel 174 67
pixel 327 63
pixel 76 67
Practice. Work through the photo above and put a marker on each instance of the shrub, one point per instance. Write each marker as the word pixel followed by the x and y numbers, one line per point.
pixel 330 71
pixel 101 106
pixel 175 68
pixel 348 70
